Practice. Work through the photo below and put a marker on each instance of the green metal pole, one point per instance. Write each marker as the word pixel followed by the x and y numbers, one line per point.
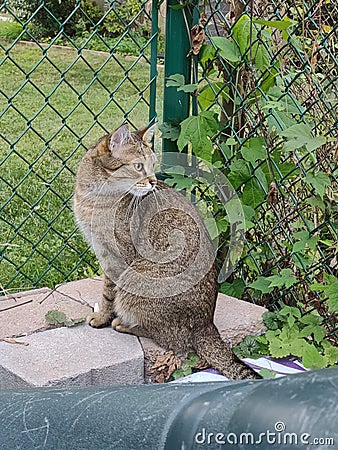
pixel 176 104
pixel 153 60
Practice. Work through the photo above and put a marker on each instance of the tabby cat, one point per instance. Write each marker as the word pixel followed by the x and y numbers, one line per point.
pixel 160 277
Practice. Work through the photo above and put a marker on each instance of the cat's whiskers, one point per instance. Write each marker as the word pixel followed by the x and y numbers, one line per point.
pixel 130 208
pixel 155 197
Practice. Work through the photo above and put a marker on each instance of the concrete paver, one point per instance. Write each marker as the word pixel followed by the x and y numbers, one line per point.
pixel 78 356
pixel 236 319
pixel 82 355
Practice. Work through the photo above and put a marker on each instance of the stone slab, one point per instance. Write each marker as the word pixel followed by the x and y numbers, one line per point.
pixel 236 318
pixel 78 356
pixel 26 314
pixel 85 356
pixel 86 291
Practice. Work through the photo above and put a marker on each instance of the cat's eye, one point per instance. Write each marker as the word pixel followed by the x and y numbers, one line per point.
pixel 138 166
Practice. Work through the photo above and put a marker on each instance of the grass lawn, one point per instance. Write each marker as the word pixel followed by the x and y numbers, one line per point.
pixel 53 105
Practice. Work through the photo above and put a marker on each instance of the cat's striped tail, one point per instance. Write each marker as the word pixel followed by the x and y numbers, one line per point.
pixel 209 345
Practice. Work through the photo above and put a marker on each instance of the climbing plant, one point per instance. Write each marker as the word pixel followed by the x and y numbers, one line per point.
pixel 252 119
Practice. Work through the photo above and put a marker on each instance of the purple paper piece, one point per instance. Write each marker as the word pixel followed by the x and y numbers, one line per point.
pixel 213 371
pixel 288 361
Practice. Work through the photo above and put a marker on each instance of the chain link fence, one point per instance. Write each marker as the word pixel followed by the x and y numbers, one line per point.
pixel 66 79
pixel 266 70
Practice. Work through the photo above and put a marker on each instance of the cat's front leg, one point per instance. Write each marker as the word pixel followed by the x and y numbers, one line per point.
pixel 106 313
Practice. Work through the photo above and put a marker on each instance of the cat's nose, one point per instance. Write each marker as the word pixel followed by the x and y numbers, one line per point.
pixel 153 182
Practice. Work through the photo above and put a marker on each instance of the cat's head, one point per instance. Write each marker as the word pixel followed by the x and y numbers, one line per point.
pixel 128 161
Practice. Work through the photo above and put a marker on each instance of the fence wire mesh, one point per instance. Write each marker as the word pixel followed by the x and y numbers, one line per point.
pixel 57 97
pixel 273 87
pixel 268 69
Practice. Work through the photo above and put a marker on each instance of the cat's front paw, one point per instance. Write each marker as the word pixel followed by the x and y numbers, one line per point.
pixel 98 320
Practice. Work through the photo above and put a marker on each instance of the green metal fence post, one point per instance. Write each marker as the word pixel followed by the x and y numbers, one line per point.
pixel 153 59
pixel 176 104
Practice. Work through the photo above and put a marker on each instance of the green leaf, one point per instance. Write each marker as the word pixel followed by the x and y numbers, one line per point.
pixel 260 176
pixel 317 202
pixel 319 181
pixel 188 88
pixel 211 227
pixel 249 214
pixel 245 35
pixel 262 284
pixel 231 141
pixel 305 242
pixel 302 234
pixel 331 291
pixel 227 49
pixel 278 349
pixel 206 97
pixel 253 194
pixel 315 142
pixel 239 173
pixel 179 181
pixel 284 279
pixel 267 374
pixel 300 261
pixel 290 310
pixel 331 353
pixel 180 5
pixel 223 223
pixel 234 289
pixel 279 120
pixel 206 54
pixel 177 80
pixel 198 130
pixel 254 149
pixel 242 32
pixel 292 105
pixel 278 24
pixel 175 170
pixel 187 366
pixel 300 135
pixel 317 331
pixel 297 346
pixel 248 348
pixel 192 359
pixel 283 170
pixel 291 313
pixel 270 320
pixel 288 170
pixel 74 322
pixel 269 80
pixel 169 131
pixel 55 317
pixel 312 359
pixel 311 319
pixel 287 342
pixel 261 56
pixel 208 94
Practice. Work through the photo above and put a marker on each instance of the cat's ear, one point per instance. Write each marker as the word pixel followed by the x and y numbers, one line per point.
pixel 120 137
pixel 146 134
pixel 149 134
